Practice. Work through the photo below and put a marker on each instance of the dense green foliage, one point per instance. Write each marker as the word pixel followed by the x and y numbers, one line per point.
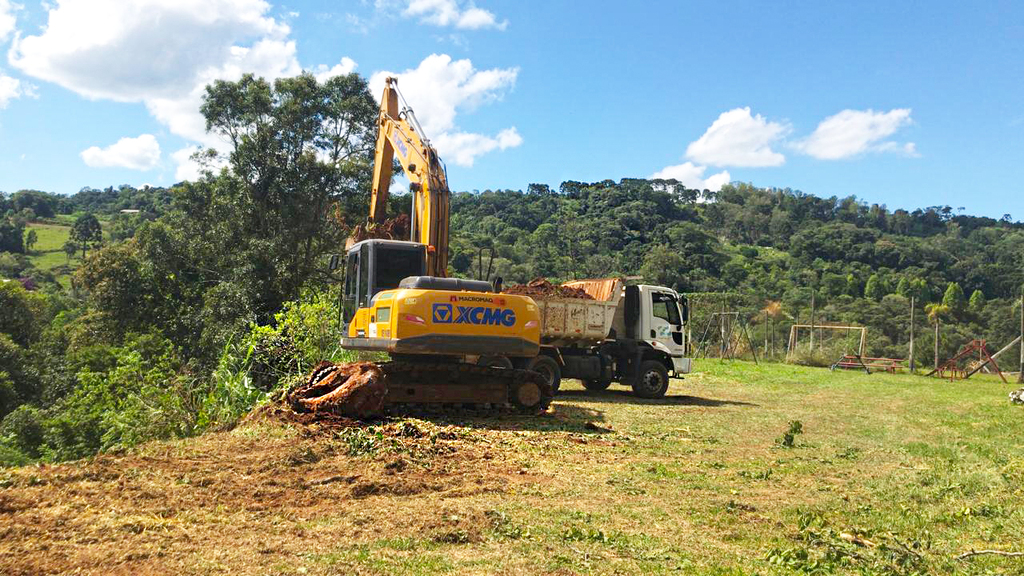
pixel 197 306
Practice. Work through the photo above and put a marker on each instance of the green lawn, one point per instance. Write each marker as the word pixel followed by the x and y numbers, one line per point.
pixel 48 252
pixel 887 475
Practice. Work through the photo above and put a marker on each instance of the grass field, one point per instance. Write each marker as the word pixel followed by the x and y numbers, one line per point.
pixel 48 252
pixel 880 474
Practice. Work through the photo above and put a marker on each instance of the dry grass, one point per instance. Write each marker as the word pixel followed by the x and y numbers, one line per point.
pixel 604 484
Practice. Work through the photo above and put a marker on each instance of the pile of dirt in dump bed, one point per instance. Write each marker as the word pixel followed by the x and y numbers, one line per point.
pixel 542 288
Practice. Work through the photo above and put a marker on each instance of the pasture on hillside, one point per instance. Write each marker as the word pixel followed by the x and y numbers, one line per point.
pixel 741 469
pixel 48 252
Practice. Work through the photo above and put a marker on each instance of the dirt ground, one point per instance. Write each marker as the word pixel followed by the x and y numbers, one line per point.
pixel 247 501
pixel 703 481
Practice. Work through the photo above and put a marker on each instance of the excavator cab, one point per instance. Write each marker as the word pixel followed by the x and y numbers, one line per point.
pixel 375 265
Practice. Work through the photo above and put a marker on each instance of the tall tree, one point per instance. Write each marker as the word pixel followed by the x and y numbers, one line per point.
pixel 31 237
pixel 954 298
pixel 300 155
pixel 86 232
pixel 977 302
pixel 874 289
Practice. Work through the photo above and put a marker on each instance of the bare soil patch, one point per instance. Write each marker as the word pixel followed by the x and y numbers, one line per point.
pixel 248 501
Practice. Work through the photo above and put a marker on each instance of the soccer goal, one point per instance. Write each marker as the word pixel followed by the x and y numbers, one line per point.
pixel 851 339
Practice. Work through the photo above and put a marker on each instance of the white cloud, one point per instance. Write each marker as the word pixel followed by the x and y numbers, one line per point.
pixel 449 13
pixel 141 153
pixel 357 23
pixel 160 52
pixel 462 148
pixel 438 89
pixel 7 19
pixel 189 169
pixel 853 132
pixel 346 66
pixel 10 89
pixel 738 139
pixel 692 176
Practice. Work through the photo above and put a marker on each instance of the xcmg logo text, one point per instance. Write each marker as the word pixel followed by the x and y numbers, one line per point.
pixel 448 314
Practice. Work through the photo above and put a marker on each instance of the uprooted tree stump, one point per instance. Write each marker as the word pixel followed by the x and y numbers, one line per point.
pixel 354 390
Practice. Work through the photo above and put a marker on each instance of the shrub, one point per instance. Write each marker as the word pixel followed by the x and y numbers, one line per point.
pixel 138 398
pixel 22 431
pixel 231 392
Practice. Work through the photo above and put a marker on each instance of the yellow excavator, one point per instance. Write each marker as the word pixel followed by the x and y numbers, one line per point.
pixel 398 299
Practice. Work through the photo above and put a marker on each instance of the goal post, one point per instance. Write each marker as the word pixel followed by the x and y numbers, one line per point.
pixel 796 329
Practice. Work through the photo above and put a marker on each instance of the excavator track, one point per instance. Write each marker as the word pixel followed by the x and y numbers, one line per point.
pixel 438 388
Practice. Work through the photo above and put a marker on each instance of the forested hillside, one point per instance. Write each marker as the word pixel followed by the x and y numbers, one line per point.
pixel 179 317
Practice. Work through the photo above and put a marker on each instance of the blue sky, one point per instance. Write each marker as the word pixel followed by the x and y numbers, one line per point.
pixel 906 104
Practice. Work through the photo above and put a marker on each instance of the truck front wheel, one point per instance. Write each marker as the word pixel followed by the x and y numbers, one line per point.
pixel 652 381
pixel 548 368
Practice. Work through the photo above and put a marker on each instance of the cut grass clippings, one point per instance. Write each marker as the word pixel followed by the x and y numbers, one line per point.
pixel 741 469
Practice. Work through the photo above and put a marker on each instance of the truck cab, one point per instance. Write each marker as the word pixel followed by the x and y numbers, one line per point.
pixel 634 335
pixel 661 322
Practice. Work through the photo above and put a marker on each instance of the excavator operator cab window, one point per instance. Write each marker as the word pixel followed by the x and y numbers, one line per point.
pixel 352 300
pixel 392 263
pixel 376 265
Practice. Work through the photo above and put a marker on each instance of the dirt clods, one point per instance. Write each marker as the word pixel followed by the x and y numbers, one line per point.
pixel 542 288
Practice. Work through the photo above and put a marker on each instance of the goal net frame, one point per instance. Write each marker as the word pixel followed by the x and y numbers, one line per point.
pixel 794 334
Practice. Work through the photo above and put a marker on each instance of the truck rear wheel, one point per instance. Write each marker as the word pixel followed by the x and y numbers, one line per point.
pixel 548 368
pixel 652 381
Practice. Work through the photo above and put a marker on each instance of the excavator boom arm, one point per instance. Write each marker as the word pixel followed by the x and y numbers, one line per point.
pixel 397 138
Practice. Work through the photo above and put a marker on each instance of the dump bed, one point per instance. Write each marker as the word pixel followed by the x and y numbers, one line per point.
pixel 567 321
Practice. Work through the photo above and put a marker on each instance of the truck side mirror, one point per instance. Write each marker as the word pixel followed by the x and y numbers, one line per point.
pixel 685 304
pixel 332 265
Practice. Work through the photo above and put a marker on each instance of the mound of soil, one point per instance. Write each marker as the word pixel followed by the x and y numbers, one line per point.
pixel 542 288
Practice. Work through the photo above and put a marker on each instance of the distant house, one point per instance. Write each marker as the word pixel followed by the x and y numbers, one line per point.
pixel 127 211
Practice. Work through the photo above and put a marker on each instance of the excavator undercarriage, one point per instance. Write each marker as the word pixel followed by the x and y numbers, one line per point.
pixel 416 387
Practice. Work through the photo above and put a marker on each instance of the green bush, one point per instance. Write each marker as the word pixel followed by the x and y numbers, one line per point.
pixel 23 430
pixel 137 397
pixel 11 456
pixel 142 390
pixel 311 325
pixel 231 392
pixel 18 382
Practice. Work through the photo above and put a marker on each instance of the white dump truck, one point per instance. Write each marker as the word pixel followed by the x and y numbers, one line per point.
pixel 633 335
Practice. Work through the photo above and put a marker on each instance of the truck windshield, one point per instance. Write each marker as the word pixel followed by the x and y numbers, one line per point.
pixel 664 307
